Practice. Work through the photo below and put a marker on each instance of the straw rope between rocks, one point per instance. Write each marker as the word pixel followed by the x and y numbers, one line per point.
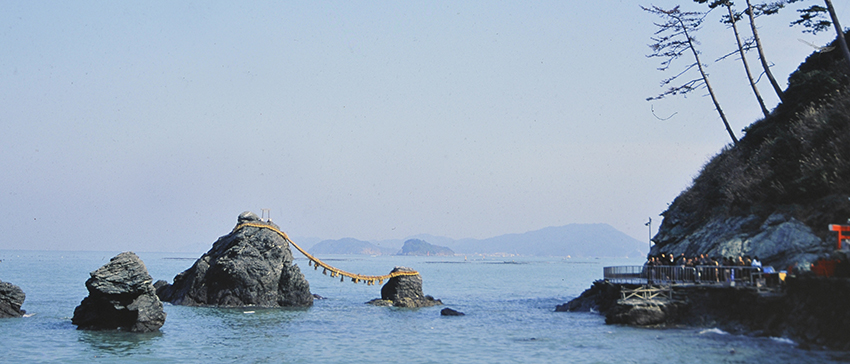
pixel 316 262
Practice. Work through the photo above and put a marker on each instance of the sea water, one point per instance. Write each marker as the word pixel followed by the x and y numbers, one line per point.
pixel 509 305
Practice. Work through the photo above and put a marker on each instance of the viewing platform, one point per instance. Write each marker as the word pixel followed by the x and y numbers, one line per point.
pixel 678 275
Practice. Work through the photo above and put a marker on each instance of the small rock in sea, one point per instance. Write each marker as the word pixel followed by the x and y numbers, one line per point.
pixel 317 297
pixel 121 297
pixel 11 299
pixel 405 291
pixel 450 312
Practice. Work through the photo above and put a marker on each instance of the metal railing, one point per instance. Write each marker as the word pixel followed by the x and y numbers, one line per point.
pixel 668 274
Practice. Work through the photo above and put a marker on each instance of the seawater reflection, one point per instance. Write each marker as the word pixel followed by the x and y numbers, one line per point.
pixel 119 343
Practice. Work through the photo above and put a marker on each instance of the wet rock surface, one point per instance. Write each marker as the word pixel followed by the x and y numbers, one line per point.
pixel 252 266
pixel 600 297
pixel 810 310
pixel 451 312
pixel 121 297
pixel 404 291
pixel 638 312
pixel 11 300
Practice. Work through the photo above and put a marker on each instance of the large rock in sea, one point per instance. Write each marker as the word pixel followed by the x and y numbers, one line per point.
pixel 11 299
pixel 121 297
pixel 251 266
pixel 404 291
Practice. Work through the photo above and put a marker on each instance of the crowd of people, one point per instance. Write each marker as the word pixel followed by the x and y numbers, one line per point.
pixel 700 268
pixel 665 259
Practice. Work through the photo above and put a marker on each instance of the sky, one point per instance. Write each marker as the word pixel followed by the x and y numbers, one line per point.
pixel 150 126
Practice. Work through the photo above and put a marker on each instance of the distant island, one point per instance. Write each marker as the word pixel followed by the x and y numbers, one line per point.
pixel 421 247
pixel 574 240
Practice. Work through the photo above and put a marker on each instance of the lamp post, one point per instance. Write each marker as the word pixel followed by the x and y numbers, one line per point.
pixel 649 224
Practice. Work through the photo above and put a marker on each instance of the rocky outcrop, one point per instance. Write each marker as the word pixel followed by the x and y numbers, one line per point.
pixel 121 297
pixel 11 299
pixel 404 291
pixel 640 312
pixel 606 298
pixel 451 312
pixel 600 297
pixel 251 266
pixel 811 310
pixel 778 240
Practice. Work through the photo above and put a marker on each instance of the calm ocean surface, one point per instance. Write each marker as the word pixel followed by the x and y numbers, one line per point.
pixel 509 305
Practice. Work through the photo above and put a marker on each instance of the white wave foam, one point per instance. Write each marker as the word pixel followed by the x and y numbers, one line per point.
pixel 783 340
pixel 713 330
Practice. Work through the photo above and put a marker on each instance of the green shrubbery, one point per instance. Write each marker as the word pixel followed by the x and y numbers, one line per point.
pixel 796 161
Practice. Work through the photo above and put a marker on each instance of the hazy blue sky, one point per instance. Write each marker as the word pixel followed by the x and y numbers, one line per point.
pixel 151 125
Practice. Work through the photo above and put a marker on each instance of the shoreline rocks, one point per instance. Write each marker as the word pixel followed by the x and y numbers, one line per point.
pixel 11 299
pixel 121 297
pixel 404 291
pixel 810 310
pixel 252 266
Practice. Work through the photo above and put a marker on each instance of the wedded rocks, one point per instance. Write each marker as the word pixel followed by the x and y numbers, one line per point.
pixel 11 299
pixel 404 291
pixel 121 297
pixel 251 266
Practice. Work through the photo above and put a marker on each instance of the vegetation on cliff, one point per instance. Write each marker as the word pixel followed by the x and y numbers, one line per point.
pixel 795 161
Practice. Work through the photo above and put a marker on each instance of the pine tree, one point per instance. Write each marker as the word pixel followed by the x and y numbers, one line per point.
pixel 673 40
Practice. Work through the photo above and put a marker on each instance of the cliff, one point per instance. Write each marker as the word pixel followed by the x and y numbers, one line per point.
pixel 774 193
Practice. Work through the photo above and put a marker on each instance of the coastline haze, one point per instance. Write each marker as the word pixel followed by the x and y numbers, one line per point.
pixel 151 126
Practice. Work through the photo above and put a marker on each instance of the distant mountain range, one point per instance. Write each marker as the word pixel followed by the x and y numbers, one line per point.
pixel 577 240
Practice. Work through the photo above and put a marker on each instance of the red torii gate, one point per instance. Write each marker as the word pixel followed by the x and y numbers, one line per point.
pixel 841 229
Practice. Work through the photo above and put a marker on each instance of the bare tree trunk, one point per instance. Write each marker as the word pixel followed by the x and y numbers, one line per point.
pixel 838 30
pixel 764 64
pixel 744 60
pixel 708 85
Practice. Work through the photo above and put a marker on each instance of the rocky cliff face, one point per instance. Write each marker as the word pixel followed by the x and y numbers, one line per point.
pixel 248 267
pixel 778 240
pixel 774 193
pixel 11 299
pixel 121 297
